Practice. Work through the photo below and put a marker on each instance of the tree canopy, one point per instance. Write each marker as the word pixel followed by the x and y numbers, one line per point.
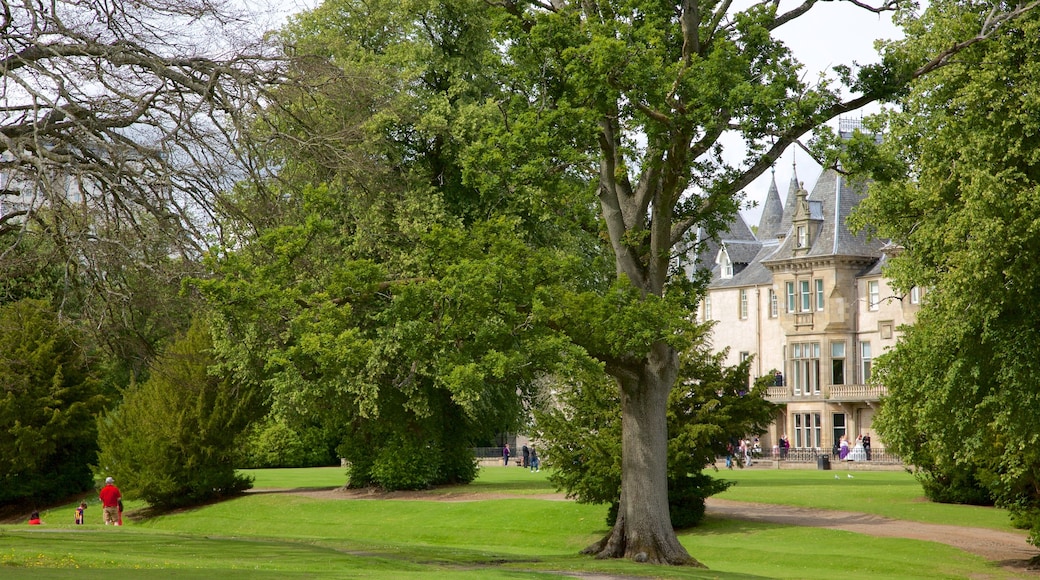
pixel 960 193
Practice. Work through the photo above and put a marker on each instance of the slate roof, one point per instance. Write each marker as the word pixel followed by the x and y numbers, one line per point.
pixel 772 214
pixel 831 201
pixel 736 231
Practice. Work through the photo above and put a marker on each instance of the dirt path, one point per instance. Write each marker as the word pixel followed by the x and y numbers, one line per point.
pixel 1007 548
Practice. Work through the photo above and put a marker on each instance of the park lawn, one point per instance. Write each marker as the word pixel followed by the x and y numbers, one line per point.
pixel 491 480
pixel 893 494
pixel 280 535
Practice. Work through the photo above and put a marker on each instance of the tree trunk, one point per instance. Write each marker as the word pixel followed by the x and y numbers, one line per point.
pixel 643 530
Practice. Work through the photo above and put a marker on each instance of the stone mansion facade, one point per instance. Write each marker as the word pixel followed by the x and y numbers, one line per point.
pixel 805 296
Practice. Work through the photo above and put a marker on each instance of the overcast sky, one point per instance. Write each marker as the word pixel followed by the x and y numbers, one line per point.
pixel 832 33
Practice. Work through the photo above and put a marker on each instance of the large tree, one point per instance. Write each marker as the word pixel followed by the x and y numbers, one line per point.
pixel 960 192
pixel 116 143
pixel 373 285
pixel 638 95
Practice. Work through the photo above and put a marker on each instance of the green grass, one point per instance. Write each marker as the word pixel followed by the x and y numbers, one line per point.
pixel 281 535
pixel 893 494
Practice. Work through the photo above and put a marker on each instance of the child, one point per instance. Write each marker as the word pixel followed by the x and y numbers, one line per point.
pixel 79 513
pixel 34 519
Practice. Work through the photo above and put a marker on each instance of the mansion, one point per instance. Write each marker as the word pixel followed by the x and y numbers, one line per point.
pixel 805 296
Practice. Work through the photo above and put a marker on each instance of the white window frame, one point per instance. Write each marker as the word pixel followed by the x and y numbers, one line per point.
pixel 915 295
pixel 819 295
pixel 806 296
pixel 707 307
pixel 865 361
pixel 873 295
pixel 791 299
pixel 743 304
pixel 774 307
pixel 805 364
pixel 803 237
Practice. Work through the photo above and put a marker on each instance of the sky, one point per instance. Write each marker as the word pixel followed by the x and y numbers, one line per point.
pixel 832 33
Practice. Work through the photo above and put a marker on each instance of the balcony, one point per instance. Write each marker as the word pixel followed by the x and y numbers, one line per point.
pixel 830 393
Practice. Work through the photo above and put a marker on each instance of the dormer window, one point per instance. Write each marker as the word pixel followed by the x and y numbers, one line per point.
pixel 725 264
pixel 803 237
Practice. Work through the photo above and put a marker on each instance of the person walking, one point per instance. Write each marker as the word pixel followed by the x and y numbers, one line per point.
pixel 866 445
pixel 110 499
pixel 534 460
pixel 505 454
pixel 526 452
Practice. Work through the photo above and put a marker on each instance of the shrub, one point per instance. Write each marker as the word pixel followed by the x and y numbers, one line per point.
pixel 48 397
pixel 274 443
pixel 172 440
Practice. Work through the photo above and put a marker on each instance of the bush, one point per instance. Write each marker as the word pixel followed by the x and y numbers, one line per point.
pixel 954 485
pixel 172 440
pixel 409 452
pixel 48 398
pixel 274 443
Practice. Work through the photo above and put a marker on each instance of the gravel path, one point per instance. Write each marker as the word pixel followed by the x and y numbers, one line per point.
pixel 1009 549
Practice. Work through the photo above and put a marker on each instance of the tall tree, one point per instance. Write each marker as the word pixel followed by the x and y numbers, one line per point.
pixel 117 142
pixel 172 439
pixel 374 284
pixel 959 190
pixel 49 395
pixel 637 95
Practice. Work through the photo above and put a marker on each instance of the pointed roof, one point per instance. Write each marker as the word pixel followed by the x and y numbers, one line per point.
pixel 789 205
pixel 772 213
pixel 831 201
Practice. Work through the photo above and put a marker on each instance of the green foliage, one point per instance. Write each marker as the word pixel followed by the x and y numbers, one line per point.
pixel 581 431
pixel 963 401
pixel 274 443
pixel 48 398
pixel 958 484
pixel 172 440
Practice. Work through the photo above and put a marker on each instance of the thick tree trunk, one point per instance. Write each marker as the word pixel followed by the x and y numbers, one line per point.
pixel 643 531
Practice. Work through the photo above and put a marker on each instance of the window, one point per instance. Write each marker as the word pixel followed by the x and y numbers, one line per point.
pixel 707 308
pixel 873 295
pixel 798 431
pixel 743 304
pixel 806 296
pixel 864 350
pixel 807 429
pixel 774 308
pixel 915 295
pixel 727 266
pixel 803 237
pixel 805 364
pixel 819 295
pixel 839 426
pixel 790 297
pixel 837 363
pixel 744 355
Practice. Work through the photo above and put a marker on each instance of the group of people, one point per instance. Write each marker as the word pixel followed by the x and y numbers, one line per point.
pixel 111 507
pixel 859 452
pixel 529 457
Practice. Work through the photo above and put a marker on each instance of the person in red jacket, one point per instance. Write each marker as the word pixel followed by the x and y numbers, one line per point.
pixel 110 499
pixel 34 519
